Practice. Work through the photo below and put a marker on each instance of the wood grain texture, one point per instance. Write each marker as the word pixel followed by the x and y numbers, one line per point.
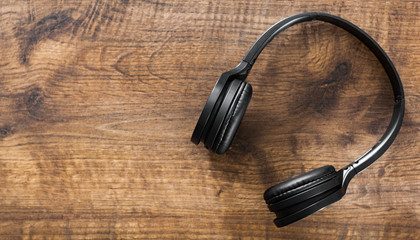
pixel 99 99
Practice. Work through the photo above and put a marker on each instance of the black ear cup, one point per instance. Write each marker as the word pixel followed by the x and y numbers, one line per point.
pixel 233 118
pixel 303 195
pixel 293 184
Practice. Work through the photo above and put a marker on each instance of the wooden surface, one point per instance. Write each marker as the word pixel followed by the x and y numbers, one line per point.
pixel 99 99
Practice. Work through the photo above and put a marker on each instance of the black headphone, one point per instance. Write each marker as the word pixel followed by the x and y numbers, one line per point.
pixel 307 193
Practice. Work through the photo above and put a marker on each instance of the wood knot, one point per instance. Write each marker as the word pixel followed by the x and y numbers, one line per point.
pixel 33 101
pixel 381 171
pixel 324 95
pixel 35 97
pixel 30 34
pixel 5 131
pixel 342 69
pixel 346 139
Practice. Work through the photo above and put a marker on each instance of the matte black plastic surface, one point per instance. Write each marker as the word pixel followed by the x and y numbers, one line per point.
pixel 303 194
pixel 211 106
pixel 294 184
pixel 309 207
pixel 226 104
pixel 233 119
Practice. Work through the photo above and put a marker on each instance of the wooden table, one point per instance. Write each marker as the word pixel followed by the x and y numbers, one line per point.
pixel 99 99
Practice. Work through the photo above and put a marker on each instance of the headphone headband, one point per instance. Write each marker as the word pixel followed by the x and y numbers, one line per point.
pixel 279 27
pixel 391 132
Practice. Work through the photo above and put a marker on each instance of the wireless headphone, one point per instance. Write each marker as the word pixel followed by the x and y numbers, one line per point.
pixel 307 193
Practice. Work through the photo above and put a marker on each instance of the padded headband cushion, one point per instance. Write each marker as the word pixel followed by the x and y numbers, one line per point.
pixel 296 184
pixel 230 126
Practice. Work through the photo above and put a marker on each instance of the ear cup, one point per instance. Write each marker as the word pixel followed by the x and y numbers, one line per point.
pixel 303 195
pixel 306 206
pixel 233 119
pixel 222 112
pixel 294 184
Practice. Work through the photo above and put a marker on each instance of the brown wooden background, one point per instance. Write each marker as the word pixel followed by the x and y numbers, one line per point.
pixel 98 100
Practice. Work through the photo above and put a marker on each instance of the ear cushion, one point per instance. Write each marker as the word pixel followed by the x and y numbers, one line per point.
pixel 233 119
pixel 306 203
pixel 299 183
